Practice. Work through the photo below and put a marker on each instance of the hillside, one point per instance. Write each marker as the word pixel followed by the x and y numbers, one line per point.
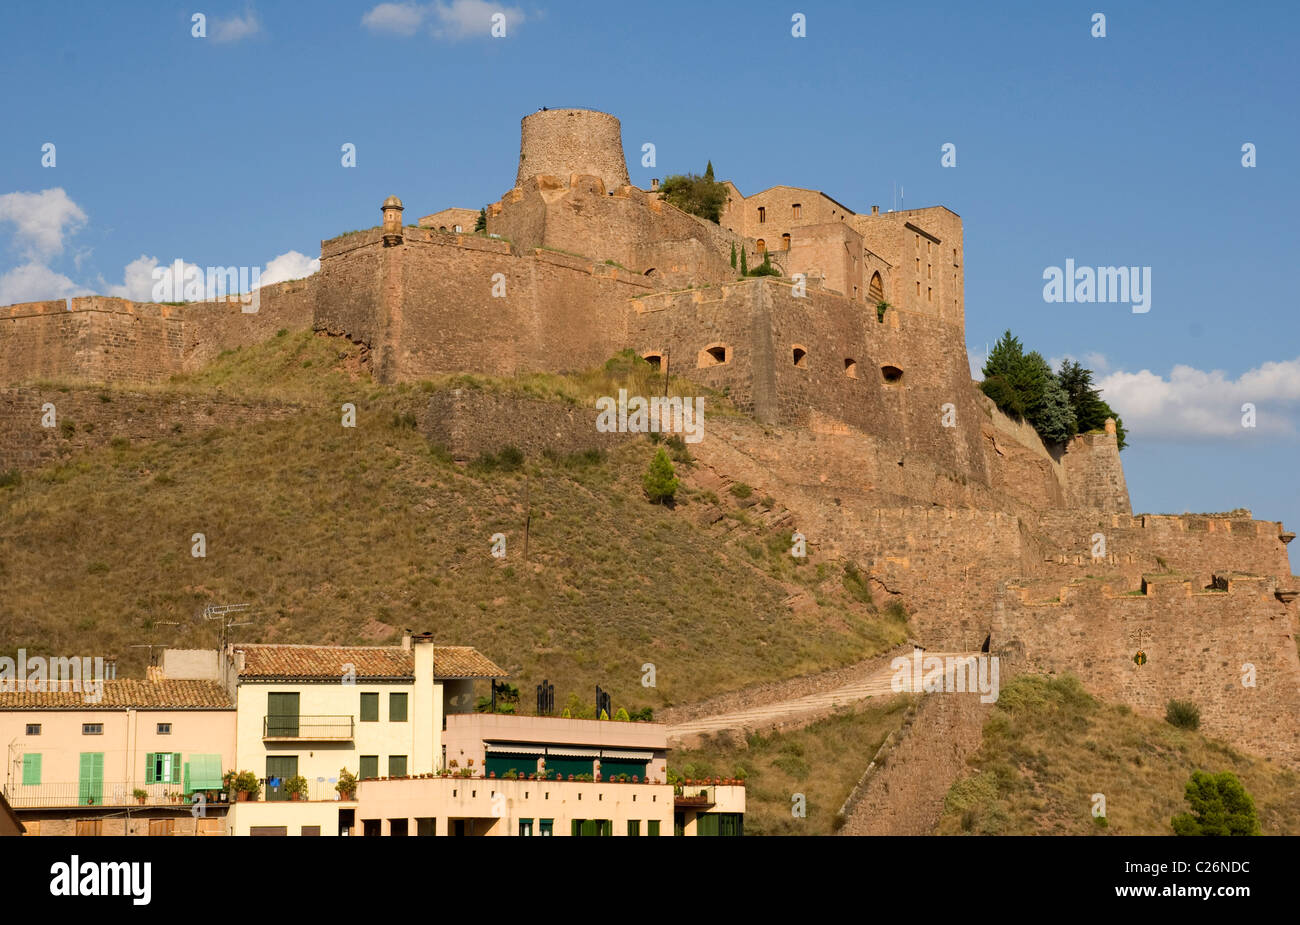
pixel 349 535
pixel 1050 745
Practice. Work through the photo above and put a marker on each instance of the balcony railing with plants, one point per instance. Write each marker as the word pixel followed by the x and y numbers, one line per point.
pixel 332 728
pixel 105 793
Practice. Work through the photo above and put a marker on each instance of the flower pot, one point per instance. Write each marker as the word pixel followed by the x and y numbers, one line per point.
pixel 242 796
pixel 295 797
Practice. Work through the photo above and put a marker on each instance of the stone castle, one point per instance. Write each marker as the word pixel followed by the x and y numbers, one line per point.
pixel 863 419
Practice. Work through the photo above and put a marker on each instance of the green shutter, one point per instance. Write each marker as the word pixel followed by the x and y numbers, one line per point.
pixel 369 708
pixel 282 714
pixel 574 825
pixel 204 773
pixel 186 788
pixel 707 824
pixel 176 767
pixel 90 782
pixel 149 773
pixel 396 765
pixel 369 767
pixel 397 708
pixel 634 827
pixel 652 828
pixel 31 770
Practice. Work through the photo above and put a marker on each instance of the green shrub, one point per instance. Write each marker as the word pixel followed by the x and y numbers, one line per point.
pixel 10 477
pixel 660 480
pixel 741 490
pixel 699 195
pixel 1183 713
pixel 1219 805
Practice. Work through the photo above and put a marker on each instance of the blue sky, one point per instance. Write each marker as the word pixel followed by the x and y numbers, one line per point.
pixel 1123 150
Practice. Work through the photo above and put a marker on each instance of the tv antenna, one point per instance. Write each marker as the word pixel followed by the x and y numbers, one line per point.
pixel 225 613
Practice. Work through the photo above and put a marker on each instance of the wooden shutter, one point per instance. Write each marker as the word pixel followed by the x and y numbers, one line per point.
pixel 150 772
pixel 176 767
pixel 31 770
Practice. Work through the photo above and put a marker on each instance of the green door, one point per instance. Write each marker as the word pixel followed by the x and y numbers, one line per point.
pixel 90 790
pixel 282 715
pixel 279 768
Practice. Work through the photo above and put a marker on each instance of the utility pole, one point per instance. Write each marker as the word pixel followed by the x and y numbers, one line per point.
pixel 222 612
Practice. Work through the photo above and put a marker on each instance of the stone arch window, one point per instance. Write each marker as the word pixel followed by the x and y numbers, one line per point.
pixel 442 227
pixel 656 360
pixel 891 374
pixel 762 213
pixel 760 245
pixel 795 210
pixel 800 356
pixel 876 292
pixel 785 241
pixel 713 355
pixel 651 272
pixel 851 367
pixel 458 229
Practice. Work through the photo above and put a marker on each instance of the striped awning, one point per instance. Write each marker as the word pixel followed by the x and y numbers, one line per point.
pixel 507 749
pixel 572 751
pixel 626 755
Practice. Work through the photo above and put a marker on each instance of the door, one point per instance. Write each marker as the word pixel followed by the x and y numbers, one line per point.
pixel 90 789
pixel 282 715
pixel 279 768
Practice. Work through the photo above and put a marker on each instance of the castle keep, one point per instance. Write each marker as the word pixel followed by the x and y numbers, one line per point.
pixel 865 423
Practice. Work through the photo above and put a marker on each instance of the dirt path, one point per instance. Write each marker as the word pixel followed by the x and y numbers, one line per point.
pixel 788 703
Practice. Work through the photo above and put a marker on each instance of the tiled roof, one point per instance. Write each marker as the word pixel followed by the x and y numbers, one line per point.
pixel 325 662
pixel 464 662
pixel 329 663
pixel 123 693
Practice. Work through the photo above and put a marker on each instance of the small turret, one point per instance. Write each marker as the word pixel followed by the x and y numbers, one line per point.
pixel 392 209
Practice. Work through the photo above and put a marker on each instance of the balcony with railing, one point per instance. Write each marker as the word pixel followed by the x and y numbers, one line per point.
pixel 101 794
pixel 321 728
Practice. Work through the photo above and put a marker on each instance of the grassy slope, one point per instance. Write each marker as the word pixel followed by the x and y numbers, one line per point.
pixel 822 761
pixel 327 530
pixel 1049 746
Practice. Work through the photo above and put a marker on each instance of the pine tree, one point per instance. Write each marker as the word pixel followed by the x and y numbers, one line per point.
pixel 481 223
pixel 733 255
pixel 708 172
pixel 1220 806
pixel 744 264
pixel 660 480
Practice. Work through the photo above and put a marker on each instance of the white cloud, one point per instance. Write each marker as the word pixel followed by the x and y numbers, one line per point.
pixel 41 221
pixel 1194 404
pixel 459 19
pixel 137 282
pixel 395 18
pixel 292 265
pixel 34 282
pixel 236 28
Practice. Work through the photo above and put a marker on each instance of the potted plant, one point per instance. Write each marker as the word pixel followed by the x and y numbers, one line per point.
pixel 140 795
pixel 228 781
pixel 296 787
pixel 347 785
pixel 247 786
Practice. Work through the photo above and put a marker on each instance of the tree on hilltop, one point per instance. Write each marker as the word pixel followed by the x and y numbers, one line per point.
pixel 660 480
pixel 702 196
pixel 480 224
pixel 1090 409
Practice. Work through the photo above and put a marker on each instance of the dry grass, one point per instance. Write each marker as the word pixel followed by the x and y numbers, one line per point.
pixel 326 530
pixel 1050 746
pixel 823 761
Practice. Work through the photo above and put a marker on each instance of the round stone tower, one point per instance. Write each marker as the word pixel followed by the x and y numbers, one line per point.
pixel 560 142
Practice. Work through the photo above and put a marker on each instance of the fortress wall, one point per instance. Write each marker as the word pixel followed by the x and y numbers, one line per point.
pixel 208 328
pixel 41 340
pixel 1094 474
pixel 1195 545
pixel 919 264
pixel 469 422
pixel 349 286
pixel 94 422
pixel 1196 643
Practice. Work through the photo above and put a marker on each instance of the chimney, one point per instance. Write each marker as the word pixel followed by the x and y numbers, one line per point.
pixel 406 640
pixel 110 667
pixel 875 210
pixel 654 184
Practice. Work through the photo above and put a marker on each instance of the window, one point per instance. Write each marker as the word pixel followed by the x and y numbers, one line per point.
pixel 891 373
pixel 785 241
pixel 712 355
pixel 92 729
pixel 591 827
pixel 525 827
pixel 90 780
pixel 399 827
pixel 795 210
pixel 279 770
pixel 762 214
pixel 458 229
pixel 162 768
pixel 546 827
pixel 656 360
pixel 33 729
pixel 369 767
pixel 369 708
pixel 876 292
pixel 282 714
pixel 760 245
pixel 652 828
pixel 426 826
pixel 851 368
pixel 396 765
pixel 634 827
pixel 397 708
pixel 31 770
pixel 372 827
pixel 800 356
pixel 929 294
pixel 164 729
